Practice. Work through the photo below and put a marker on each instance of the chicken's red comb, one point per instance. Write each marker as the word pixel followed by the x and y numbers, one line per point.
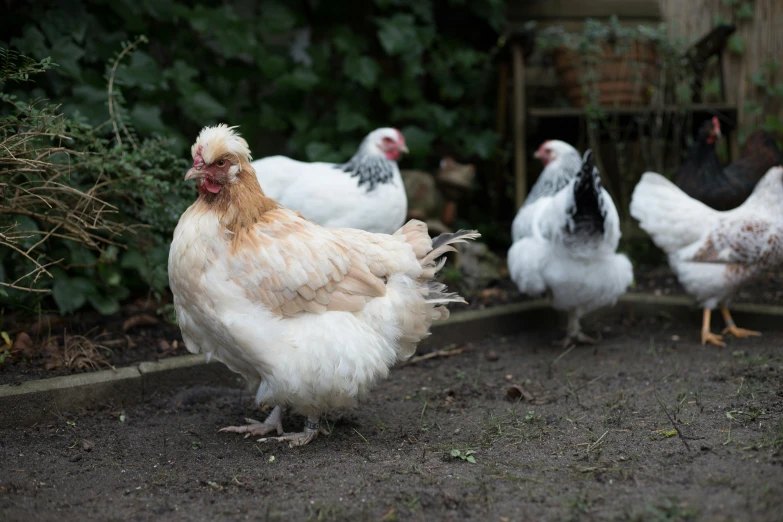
pixel 198 160
pixel 716 124
pixel 400 137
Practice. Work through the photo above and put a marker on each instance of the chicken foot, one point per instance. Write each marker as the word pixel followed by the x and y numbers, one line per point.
pixel 312 429
pixel 273 422
pixel 706 335
pixel 739 333
pixel 574 334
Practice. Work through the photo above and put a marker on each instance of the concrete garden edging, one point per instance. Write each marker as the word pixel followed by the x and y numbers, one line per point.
pixel 41 400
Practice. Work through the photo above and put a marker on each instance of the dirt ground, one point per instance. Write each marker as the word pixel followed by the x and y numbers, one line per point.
pixel 592 440
pixel 51 345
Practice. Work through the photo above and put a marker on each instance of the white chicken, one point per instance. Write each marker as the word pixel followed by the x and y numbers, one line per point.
pixel 571 250
pixel 366 193
pixel 310 316
pixel 714 253
pixel 561 163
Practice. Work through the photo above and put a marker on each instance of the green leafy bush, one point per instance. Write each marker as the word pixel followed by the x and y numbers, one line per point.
pixel 304 78
pixel 82 217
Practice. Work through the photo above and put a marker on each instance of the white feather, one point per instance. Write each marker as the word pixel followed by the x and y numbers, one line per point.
pixel 581 273
pixel 327 195
pixel 713 253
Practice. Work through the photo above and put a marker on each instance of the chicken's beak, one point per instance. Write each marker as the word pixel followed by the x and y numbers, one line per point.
pixel 194 173
pixel 537 154
pixel 403 148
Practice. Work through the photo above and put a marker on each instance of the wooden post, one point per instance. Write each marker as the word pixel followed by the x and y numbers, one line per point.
pixel 520 161
pixel 499 178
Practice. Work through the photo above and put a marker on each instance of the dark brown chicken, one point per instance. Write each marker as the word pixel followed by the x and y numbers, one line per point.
pixel 702 177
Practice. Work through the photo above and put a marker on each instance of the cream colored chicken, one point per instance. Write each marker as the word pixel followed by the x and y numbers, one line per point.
pixel 311 317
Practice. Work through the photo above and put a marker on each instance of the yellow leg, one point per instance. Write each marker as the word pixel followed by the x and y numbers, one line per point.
pixel 739 333
pixel 706 335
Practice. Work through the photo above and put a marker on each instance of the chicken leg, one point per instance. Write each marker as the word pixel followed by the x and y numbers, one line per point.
pixel 739 333
pixel 273 422
pixel 706 335
pixel 574 334
pixel 312 429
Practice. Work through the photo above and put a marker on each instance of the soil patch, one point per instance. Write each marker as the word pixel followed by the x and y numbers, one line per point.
pixel 51 345
pixel 594 433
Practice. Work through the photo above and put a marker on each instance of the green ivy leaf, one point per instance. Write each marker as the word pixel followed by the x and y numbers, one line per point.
pixel 104 304
pixel 276 17
pixel 317 151
pixel 70 294
pixel 301 79
pixel 744 11
pixel 348 42
pixel 349 120
pixel 32 43
pixel 362 69
pixel 418 140
pixel 737 44
pixel 146 118
pixel 66 54
pixel 202 107
pixel 482 144
pixel 398 34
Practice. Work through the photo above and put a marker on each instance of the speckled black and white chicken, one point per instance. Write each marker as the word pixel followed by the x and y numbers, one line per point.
pixel 570 250
pixel 714 253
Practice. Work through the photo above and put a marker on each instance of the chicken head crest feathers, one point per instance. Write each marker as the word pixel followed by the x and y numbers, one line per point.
pixel 312 317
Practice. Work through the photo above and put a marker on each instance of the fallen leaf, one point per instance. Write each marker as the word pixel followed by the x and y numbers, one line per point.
pixel 515 392
pixel 23 345
pixel 139 320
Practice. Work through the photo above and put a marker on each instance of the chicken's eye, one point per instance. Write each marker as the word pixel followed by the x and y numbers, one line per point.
pixel 221 163
pixel 387 140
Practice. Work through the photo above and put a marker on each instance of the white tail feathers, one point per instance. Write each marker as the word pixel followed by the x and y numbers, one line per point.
pixel 668 214
pixel 430 254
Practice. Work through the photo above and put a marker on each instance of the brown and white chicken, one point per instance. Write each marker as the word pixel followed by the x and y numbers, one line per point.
pixel 714 253
pixel 311 317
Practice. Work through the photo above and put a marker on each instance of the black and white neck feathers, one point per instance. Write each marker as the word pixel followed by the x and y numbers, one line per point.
pixel 371 168
pixel 556 175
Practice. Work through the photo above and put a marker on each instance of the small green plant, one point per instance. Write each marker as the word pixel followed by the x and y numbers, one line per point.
pixel 466 455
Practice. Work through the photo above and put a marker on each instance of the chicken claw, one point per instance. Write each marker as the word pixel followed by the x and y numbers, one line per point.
pixel 575 339
pixel 709 337
pixel 310 433
pixel 740 333
pixel 706 335
pixel 253 427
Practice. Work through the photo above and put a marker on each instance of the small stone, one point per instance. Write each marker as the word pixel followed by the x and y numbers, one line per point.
pixel 87 445
pixel 75 458
pixel 492 355
pixel 509 377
